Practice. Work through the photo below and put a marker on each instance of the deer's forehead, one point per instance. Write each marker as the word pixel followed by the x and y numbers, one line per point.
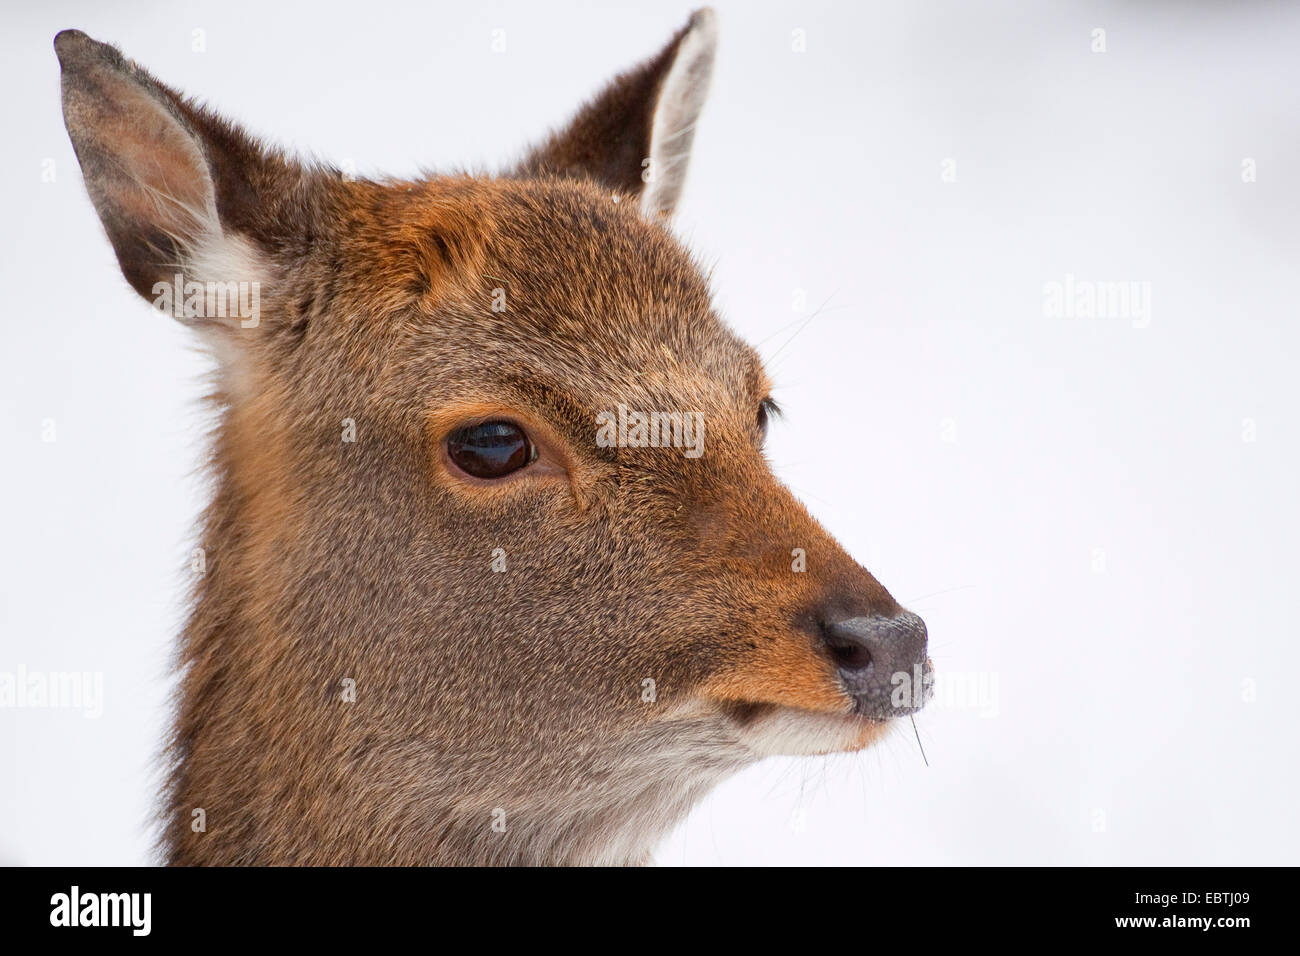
pixel 597 367
pixel 569 253
pixel 527 286
pixel 557 277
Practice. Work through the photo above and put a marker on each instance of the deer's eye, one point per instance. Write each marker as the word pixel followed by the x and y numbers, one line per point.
pixel 491 449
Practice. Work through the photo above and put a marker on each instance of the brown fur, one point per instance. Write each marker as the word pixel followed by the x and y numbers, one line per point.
pixel 326 560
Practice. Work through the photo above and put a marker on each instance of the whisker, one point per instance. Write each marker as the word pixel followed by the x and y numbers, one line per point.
pixel 778 331
pixel 772 359
pixel 933 594
pixel 918 739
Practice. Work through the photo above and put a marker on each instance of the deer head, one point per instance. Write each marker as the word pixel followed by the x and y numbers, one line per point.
pixel 496 570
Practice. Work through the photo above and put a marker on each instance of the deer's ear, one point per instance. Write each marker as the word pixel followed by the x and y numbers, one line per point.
pixel 177 189
pixel 636 135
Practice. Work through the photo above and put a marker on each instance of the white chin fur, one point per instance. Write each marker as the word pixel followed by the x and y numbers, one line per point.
pixel 790 732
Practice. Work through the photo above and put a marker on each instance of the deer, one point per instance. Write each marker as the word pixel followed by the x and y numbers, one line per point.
pixel 438 622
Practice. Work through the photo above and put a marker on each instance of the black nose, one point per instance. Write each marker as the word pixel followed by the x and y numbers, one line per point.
pixel 882 662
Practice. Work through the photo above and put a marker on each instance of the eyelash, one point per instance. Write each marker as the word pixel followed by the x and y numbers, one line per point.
pixel 767 410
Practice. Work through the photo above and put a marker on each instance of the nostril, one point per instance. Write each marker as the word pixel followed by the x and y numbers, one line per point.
pixel 851 657
pixel 856 643
pixel 850 644
pixel 871 651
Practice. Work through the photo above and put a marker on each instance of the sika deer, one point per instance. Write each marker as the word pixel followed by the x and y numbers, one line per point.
pixel 464 600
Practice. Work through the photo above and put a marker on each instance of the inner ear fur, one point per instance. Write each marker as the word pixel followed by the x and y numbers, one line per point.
pixel 635 137
pixel 174 184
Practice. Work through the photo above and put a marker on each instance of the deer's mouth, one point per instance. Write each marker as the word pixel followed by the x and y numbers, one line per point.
pixel 779 730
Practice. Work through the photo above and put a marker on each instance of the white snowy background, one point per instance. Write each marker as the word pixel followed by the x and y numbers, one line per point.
pixel 1097 518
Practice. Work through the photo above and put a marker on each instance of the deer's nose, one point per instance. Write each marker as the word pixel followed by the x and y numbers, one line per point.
pixel 882 662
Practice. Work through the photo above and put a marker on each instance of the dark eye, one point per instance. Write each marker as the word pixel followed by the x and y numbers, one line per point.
pixel 767 408
pixel 490 450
